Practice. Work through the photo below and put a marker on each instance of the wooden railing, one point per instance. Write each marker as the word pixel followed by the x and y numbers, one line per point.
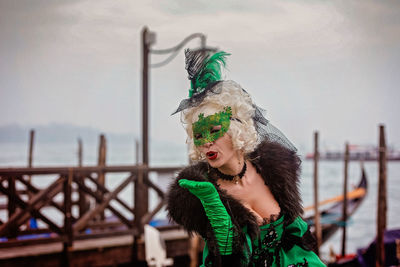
pixel 84 183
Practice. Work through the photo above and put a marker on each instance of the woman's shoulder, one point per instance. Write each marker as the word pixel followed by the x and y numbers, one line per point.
pixel 271 156
pixel 276 152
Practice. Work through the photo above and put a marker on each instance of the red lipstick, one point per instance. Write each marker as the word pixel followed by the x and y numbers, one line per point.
pixel 211 155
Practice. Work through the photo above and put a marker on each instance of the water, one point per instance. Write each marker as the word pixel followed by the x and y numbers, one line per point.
pixel 361 230
pixel 362 226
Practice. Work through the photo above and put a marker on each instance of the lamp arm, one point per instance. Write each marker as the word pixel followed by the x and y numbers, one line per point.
pixel 180 45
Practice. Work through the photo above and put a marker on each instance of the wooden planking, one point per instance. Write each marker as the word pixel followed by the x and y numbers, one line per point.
pixel 85 170
pixel 172 237
pixel 94 252
pixel 31 250
pixel 106 256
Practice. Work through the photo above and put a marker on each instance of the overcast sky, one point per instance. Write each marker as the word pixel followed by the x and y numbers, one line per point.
pixel 326 65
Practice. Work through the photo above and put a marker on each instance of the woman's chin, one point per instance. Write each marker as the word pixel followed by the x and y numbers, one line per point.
pixel 214 163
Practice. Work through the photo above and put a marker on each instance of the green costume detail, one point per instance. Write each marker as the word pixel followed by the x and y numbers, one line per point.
pixel 269 249
pixel 206 129
pixel 217 215
pixel 207 71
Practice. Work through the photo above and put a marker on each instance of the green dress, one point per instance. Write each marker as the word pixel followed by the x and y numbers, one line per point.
pixel 277 246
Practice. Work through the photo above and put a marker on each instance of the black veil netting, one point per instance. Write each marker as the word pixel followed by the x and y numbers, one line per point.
pixel 265 130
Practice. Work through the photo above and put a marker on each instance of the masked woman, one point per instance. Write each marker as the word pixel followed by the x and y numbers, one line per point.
pixel 242 193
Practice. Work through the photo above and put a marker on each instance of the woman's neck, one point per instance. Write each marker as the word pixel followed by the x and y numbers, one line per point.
pixel 233 167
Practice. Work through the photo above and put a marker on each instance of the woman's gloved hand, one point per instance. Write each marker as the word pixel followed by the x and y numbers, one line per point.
pixel 215 211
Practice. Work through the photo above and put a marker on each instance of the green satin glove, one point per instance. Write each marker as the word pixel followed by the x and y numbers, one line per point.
pixel 218 216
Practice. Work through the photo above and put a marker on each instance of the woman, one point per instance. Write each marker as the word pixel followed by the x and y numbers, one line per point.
pixel 242 195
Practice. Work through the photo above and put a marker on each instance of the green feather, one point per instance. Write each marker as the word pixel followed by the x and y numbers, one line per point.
pixel 210 71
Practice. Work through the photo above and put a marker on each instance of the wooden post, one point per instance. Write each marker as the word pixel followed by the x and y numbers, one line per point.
pixel 141 200
pixel 30 161
pixel 83 202
pixel 31 142
pixel 344 211
pixel 317 223
pixel 102 163
pixel 11 205
pixel 382 205
pixel 80 152
pixel 68 239
pixel 30 154
pixel 136 221
pixel 137 152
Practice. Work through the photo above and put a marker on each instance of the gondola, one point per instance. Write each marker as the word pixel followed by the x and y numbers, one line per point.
pixel 331 218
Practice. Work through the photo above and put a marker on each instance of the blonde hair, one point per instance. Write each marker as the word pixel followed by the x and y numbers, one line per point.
pixel 241 130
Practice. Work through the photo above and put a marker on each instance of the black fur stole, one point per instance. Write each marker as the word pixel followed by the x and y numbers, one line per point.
pixel 277 165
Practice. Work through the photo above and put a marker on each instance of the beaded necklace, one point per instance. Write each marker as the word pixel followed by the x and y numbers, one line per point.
pixel 234 178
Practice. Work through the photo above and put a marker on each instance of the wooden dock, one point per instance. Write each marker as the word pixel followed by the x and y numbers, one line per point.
pixel 106 251
pixel 87 237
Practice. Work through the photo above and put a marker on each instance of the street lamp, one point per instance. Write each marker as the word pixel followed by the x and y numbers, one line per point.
pixel 149 39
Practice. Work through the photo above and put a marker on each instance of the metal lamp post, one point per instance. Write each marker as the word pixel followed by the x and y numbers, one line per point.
pixel 149 39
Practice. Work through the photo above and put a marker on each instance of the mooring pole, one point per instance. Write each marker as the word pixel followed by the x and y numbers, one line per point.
pixel 30 162
pixel 344 211
pixel 102 163
pixel 382 204
pixel 317 223
pixel 30 154
pixel 83 201
pixel 80 152
pixel 31 142
pixel 137 152
pixel 68 236
pixel 12 205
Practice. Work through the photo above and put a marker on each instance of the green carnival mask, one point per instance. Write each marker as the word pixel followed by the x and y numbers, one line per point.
pixel 206 129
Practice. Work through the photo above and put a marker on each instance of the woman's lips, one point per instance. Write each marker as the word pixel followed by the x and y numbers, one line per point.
pixel 212 155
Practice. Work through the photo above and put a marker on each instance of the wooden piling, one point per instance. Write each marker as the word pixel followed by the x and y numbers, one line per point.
pixel 31 142
pixel 30 154
pixel 382 204
pixel 30 162
pixel 11 205
pixel 102 163
pixel 135 248
pixel 83 201
pixel 68 239
pixel 140 196
pixel 317 223
pixel 344 211
pixel 137 152
pixel 80 152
